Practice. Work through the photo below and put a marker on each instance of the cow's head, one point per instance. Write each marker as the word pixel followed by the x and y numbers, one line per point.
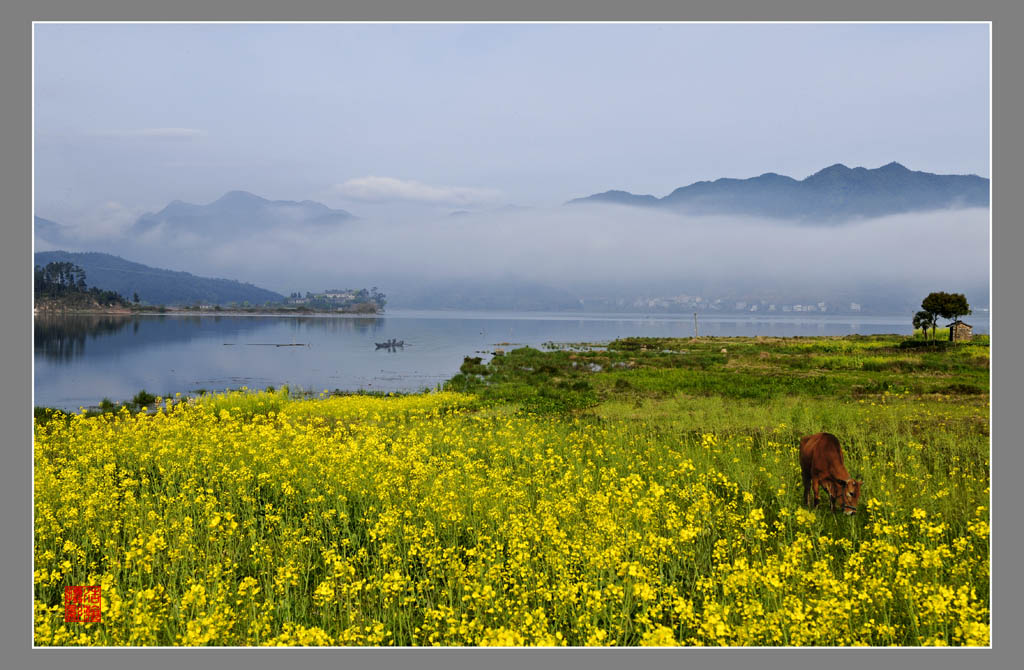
pixel 845 495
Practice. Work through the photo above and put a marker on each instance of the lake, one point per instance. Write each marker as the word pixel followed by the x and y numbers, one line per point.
pixel 81 359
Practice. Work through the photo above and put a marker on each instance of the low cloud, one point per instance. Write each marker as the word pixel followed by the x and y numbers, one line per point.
pixel 623 244
pixel 600 245
pixel 42 245
pixel 389 189
pixel 104 222
pixel 109 218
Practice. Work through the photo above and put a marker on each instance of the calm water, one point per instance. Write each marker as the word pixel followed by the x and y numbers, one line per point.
pixel 79 360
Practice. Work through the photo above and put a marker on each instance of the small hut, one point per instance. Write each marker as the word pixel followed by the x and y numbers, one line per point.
pixel 960 331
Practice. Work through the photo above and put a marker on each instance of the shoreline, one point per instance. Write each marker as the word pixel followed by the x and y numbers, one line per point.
pixel 646 346
pixel 192 312
pixel 499 314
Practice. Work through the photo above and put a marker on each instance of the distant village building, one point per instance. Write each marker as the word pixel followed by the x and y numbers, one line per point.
pixel 960 332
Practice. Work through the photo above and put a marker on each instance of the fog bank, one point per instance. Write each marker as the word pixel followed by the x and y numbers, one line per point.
pixel 606 245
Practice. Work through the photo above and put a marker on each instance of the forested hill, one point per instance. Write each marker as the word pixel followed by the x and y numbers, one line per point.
pixel 156 286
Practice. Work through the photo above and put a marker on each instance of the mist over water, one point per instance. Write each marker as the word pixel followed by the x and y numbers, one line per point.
pixel 595 245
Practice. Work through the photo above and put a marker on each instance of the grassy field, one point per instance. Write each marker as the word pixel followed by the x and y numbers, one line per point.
pixel 643 493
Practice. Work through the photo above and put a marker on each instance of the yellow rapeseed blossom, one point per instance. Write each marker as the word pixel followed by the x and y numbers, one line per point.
pixel 248 519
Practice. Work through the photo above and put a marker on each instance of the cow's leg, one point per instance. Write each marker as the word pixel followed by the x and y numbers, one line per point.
pixel 814 493
pixel 830 488
pixel 807 489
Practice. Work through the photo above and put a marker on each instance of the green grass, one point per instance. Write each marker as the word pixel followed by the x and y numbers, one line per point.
pixel 765 369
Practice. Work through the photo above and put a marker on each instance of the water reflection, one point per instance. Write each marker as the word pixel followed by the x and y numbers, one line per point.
pixel 357 324
pixel 63 337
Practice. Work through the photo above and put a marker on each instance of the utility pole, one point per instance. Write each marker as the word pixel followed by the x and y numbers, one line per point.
pixel 695 325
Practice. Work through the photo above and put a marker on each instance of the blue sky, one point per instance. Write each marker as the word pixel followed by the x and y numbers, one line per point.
pixel 380 118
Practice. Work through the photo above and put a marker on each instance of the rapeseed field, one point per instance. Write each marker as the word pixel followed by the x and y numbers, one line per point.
pixel 258 518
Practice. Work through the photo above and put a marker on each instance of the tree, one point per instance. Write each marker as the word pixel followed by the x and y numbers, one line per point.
pixel 135 297
pixel 59 278
pixel 922 320
pixel 377 297
pixel 946 305
pixel 955 306
pixel 932 306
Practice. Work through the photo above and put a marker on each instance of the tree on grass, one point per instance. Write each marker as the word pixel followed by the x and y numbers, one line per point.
pixel 947 305
pixel 956 306
pixel 922 321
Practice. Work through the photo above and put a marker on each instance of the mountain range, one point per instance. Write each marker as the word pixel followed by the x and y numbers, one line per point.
pixel 238 212
pixel 288 244
pixel 830 195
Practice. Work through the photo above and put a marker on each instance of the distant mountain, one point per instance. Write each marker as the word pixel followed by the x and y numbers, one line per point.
pixel 181 224
pixel 832 194
pixel 156 286
pixel 620 198
pixel 239 213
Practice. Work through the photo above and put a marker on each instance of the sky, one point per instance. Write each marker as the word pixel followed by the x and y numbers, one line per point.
pixel 402 120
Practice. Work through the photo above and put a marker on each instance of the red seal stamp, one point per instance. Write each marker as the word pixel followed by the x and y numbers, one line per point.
pixel 81 604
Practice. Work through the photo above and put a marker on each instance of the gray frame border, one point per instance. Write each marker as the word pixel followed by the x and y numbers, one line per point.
pixel 15 332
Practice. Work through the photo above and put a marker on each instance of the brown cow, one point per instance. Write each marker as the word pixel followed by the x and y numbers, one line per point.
pixel 821 461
